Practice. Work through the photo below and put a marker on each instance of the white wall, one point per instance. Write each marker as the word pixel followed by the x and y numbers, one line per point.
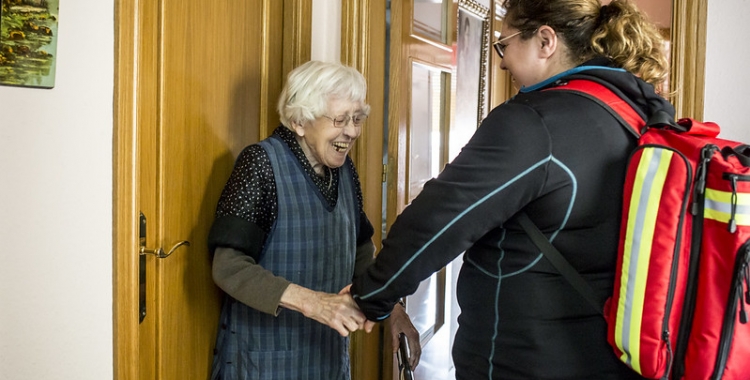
pixel 326 31
pixel 56 191
pixel 727 78
pixel 56 209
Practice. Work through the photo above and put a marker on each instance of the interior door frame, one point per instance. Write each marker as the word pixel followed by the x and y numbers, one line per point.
pixel 688 62
pixel 128 16
pixel 296 16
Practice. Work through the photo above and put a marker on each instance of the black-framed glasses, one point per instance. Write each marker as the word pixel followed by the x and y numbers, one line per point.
pixel 499 46
pixel 342 121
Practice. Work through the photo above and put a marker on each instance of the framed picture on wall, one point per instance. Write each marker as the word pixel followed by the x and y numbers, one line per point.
pixel 28 42
pixel 472 40
pixel 484 3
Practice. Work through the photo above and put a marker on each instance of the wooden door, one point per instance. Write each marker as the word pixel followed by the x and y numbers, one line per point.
pixel 422 137
pixel 196 82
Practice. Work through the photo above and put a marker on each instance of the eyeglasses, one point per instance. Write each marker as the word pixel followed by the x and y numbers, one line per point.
pixel 342 121
pixel 499 46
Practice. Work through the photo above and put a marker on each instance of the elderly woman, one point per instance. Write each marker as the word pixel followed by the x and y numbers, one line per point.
pixel 290 233
pixel 555 155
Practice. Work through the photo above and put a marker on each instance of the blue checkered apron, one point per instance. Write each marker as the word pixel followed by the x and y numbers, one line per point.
pixel 313 246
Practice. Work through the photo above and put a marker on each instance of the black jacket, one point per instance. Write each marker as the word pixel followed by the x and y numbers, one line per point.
pixel 561 158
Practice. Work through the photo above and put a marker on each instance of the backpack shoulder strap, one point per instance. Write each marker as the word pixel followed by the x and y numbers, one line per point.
pixel 558 261
pixel 614 104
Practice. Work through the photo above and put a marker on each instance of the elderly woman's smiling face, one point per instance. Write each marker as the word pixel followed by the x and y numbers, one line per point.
pixel 325 144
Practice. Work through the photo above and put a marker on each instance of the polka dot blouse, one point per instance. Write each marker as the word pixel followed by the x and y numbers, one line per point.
pixel 250 192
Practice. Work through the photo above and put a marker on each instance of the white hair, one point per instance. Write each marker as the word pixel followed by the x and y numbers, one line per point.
pixel 310 86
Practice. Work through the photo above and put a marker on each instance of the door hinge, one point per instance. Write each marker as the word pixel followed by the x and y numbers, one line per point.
pixel 385 173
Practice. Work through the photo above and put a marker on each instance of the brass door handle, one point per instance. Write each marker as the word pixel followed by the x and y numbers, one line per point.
pixel 159 252
pixel 142 252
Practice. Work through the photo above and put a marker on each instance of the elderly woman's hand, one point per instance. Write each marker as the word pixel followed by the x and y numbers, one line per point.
pixel 338 311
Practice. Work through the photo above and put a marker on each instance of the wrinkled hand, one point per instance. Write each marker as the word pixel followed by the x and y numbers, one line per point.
pixel 399 322
pixel 338 311
pixel 368 325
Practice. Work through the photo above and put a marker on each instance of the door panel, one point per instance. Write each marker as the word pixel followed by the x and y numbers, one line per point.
pixel 194 83
pixel 208 111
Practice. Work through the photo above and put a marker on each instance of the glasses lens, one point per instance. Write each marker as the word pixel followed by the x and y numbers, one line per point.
pixel 499 48
pixel 359 119
pixel 341 121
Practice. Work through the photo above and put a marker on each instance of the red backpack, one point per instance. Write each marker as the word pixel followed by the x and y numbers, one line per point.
pixel 679 309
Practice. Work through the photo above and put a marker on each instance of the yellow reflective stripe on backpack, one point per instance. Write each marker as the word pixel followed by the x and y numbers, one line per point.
pixel 648 185
pixel 718 207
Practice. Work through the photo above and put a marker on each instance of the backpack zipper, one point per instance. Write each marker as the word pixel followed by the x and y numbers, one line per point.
pixel 697 207
pixel 732 227
pixel 700 177
pixel 737 300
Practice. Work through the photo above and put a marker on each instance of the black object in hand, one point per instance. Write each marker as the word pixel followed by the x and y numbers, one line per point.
pixel 403 358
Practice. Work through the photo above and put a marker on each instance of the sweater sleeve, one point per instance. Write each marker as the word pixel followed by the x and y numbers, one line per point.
pixel 238 275
pixel 502 168
pixel 365 257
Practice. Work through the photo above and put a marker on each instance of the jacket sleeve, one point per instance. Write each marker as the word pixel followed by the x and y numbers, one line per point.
pixel 502 168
